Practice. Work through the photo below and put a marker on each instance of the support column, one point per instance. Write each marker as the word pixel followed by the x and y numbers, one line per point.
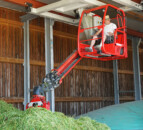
pixel 49 58
pixel 116 82
pixel 26 64
pixel 136 67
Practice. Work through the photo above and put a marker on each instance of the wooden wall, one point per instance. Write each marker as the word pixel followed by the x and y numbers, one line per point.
pixel 87 87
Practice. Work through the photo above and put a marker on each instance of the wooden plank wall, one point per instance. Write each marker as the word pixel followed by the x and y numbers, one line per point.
pixel 87 87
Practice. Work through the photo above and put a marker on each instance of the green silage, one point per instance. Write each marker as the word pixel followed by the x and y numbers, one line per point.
pixel 41 119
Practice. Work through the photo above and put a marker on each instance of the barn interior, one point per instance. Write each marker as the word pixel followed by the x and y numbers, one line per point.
pixel 36 36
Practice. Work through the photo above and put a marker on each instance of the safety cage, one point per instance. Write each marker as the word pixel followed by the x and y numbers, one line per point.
pixel 94 19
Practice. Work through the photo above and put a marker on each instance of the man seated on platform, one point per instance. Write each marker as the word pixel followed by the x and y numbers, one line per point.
pixel 107 38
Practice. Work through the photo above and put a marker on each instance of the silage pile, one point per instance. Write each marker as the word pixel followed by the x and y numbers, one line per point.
pixel 41 119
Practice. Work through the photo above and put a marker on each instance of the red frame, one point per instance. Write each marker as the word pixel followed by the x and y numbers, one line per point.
pixel 108 49
pixel 67 63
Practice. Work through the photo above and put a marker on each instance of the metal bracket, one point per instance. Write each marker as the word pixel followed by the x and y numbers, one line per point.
pixel 28 7
pixel 77 16
pixel 141 2
pixel 26 17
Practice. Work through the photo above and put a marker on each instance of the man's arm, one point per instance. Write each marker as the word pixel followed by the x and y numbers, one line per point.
pixel 111 34
pixel 114 27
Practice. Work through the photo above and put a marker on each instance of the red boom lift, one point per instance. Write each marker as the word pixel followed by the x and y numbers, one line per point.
pixel 90 21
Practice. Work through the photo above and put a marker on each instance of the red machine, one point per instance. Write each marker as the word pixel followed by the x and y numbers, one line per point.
pixel 38 101
pixel 53 80
pixel 111 51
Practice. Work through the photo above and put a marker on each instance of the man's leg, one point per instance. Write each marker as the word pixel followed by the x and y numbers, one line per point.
pixel 99 46
pixel 91 45
pixel 104 38
pixel 93 41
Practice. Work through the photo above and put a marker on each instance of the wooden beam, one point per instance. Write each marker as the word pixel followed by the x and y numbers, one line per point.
pixel 130 49
pixel 134 33
pixel 137 1
pixel 41 63
pixel 13 99
pixel 90 68
pixel 99 69
pixel 134 16
pixel 10 22
pixel 72 99
pixel 90 99
pixel 11 60
pixel 20 61
pixel 78 67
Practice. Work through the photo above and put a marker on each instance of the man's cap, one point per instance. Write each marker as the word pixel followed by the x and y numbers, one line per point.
pixel 107 17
